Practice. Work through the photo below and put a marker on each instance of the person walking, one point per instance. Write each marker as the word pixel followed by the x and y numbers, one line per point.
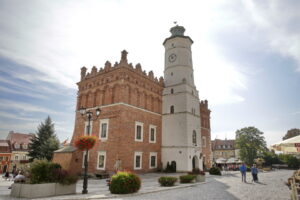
pixel 243 170
pixel 254 173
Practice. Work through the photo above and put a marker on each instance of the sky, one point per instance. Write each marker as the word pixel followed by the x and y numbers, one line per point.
pixel 246 57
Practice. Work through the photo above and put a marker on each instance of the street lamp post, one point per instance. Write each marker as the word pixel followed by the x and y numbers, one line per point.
pixel 89 115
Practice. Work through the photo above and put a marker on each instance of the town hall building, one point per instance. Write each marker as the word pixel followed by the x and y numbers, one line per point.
pixel 145 122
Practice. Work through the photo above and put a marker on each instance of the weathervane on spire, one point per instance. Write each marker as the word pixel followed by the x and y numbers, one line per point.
pixel 175 22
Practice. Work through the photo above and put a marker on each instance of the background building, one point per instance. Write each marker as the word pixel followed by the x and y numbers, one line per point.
pixel 19 149
pixel 223 150
pixel 5 155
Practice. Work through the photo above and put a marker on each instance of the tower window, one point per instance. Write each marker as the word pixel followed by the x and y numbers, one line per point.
pixel 194 138
pixel 172 109
pixel 172 91
pixel 171 73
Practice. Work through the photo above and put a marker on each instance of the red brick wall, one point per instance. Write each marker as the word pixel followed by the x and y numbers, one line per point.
pixel 125 95
pixel 205 132
pixel 121 142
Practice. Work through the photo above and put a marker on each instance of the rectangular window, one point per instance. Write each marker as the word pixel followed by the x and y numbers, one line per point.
pixel 138 131
pixel 1 158
pixel 103 129
pixel 203 141
pixel 83 158
pixel 101 160
pixel 153 160
pixel 87 129
pixel 16 158
pixel 138 160
pixel 152 134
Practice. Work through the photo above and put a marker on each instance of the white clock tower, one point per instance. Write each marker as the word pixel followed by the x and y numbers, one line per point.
pixel 181 136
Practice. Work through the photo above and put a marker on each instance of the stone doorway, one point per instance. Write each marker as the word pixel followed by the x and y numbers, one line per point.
pixel 195 162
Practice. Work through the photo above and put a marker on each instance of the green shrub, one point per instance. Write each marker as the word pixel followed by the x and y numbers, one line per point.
pixel 170 168
pixel 215 171
pixel 43 171
pixel 124 183
pixel 187 178
pixel 167 180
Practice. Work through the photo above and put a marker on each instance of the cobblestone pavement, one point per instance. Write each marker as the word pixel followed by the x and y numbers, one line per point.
pixel 228 186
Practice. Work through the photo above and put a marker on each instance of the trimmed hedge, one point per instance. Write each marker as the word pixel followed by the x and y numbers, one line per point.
pixel 167 180
pixel 124 183
pixel 187 178
pixel 215 171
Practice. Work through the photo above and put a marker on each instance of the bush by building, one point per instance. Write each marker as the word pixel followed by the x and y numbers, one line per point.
pixel 187 178
pixel 215 171
pixel 43 171
pixel 170 168
pixel 167 180
pixel 124 183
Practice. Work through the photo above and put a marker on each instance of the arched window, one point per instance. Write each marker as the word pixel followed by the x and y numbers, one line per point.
pixel 194 138
pixel 172 109
pixel 172 91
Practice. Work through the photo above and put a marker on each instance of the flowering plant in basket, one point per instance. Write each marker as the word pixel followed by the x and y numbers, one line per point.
pixel 85 142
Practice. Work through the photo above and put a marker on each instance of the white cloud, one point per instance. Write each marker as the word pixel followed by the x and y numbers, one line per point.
pixel 24 93
pixel 26 107
pixel 278 22
pixel 16 117
pixel 62 37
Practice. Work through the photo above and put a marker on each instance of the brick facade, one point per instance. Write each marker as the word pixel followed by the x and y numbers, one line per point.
pixel 126 95
pixel 205 134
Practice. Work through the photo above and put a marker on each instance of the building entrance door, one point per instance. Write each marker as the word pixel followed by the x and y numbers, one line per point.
pixel 195 162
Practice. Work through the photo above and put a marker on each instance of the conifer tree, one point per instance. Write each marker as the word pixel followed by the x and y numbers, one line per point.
pixel 45 142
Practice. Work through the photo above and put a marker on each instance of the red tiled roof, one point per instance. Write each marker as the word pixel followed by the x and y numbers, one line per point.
pixel 19 138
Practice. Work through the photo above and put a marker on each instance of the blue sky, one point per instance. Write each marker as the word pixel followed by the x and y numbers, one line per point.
pixel 246 57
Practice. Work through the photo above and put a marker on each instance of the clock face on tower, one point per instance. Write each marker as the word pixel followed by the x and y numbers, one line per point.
pixel 172 57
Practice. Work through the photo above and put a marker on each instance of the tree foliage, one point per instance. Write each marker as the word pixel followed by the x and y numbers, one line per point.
pixel 250 141
pixel 45 142
pixel 291 133
pixel 271 158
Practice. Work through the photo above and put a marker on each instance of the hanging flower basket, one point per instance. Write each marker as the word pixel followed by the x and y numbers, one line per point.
pixel 85 142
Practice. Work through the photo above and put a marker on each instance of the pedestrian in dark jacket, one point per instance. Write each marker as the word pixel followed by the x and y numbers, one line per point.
pixel 254 173
pixel 243 170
